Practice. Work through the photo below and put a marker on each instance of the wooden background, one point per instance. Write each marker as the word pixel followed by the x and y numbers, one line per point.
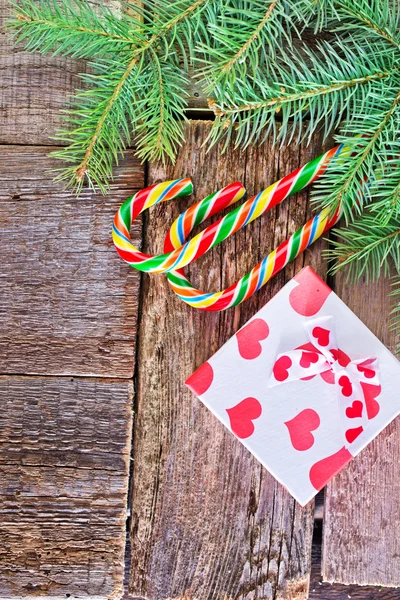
pixel 93 353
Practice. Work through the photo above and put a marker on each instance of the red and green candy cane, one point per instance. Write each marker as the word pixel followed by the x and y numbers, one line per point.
pixel 178 252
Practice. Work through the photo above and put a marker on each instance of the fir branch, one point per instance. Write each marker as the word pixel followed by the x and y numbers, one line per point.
pixel 83 167
pixel 347 184
pixel 95 153
pixel 161 110
pixel 279 101
pixel 259 83
pixel 245 47
pixel 320 12
pixel 322 87
pixel 72 29
pixel 243 38
pixel 385 189
pixel 367 248
pixel 380 17
pixel 103 116
pixel 322 90
pixel 234 34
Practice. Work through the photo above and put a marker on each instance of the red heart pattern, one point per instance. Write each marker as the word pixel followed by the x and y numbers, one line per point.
pixel 366 371
pixel 345 384
pixel 355 410
pixel 322 335
pixel 300 428
pixel 281 368
pixel 248 338
pixel 370 392
pixel 308 297
pixel 328 376
pixel 309 347
pixel 200 380
pixel 323 470
pixel 308 358
pixel 242 415
pixel 352 434
pixel 340 356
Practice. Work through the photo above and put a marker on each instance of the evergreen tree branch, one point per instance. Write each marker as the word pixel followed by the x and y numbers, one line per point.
pixel 161 121
pixel 279 101
pixel 395 297
pixel 76 29
pixel 378 16
pixel 102 116
pixel 323 90
pixel 243 37
pixel 369 249
pixel 72 29
pixel 160 129
pixel 246 45
pixel 82 168
pixel 385 189
pixel 347 183
pixel 366 248
pixel 93 112
pixel 260 84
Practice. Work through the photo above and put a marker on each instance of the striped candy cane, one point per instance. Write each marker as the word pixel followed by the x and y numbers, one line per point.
pixel 190 251
pixel 178 252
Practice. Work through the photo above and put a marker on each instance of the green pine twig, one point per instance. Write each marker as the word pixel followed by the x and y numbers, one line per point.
pixel 126 59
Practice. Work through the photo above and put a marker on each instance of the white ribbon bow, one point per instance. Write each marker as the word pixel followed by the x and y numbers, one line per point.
pixel 321 355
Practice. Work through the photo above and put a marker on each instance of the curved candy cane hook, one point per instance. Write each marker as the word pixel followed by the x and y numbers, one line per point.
pixel 184 253
pixel 178 252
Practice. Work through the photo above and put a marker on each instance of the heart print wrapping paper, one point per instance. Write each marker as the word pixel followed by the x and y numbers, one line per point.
pixel 304 385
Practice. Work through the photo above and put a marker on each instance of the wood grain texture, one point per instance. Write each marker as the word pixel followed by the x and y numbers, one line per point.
pixel 34 88
pixel 362 511
pixel 64 460
pixel 320 590
pixel 208 522
pixel 69 304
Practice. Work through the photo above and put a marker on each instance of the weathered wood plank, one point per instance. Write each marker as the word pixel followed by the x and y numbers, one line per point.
pixel 320 590
pixel 208 522
pixel 34 87
pixel 362 514
pixel 69 304
pixel 64 462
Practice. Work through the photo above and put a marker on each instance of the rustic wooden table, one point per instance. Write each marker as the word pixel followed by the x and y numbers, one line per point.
pixel 86 343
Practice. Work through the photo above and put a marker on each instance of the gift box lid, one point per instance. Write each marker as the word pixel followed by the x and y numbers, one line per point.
pixel 304 385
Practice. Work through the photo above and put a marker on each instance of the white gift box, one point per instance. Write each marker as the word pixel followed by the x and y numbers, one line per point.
pixel 304 385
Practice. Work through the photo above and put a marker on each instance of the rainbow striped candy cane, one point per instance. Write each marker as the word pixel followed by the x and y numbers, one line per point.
pixel 178 252
pixel 161 192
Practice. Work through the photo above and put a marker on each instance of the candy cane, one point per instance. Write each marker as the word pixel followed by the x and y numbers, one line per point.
pixel 182 255
pixel 178 252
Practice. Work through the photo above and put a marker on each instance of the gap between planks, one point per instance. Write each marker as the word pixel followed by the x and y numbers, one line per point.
pixel 65 445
